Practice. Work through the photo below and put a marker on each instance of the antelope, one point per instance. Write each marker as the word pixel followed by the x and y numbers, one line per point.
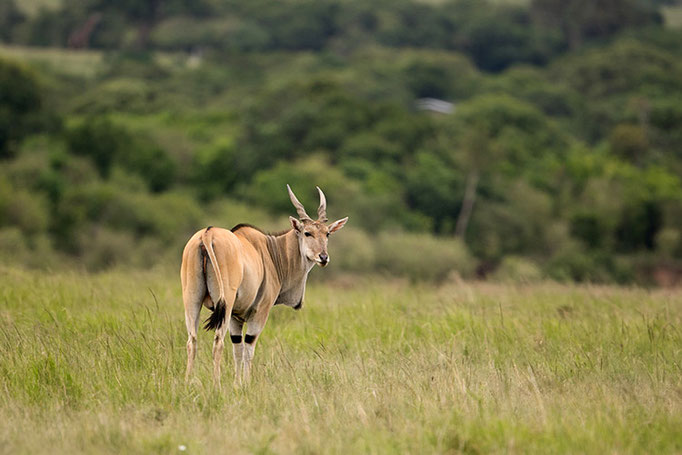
pixel 241 273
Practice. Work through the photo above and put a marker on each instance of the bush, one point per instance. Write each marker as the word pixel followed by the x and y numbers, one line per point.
pixel 107 144
pixel 518 270
pixel 666 118
pixel 352 250
pixel 422 257
pixel 20 105
pixel 13 246
pixel 268 188
pixel 572 263
pixel 170 217
pixel 515 225
pixel 435 187
pixel 151 162
pixel 184 33
pixel 439 75
pixel 668 242
pixel 375 206
pixel 532 85
pixel 214 169
pixel 18 249
pixel 624 67
pixel 10 16
pixel 122 94
pixel 629 142
pixel 104 248
pixel 499 37
pixel 98 139
pixel 22 209
pixel 523 132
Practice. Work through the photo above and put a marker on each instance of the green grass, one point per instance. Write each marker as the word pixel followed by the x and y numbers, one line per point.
pixel 94 364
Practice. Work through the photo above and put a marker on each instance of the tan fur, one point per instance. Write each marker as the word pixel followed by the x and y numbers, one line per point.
pixel 249 271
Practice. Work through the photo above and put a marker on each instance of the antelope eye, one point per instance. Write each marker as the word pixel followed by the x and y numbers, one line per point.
pixel 308 234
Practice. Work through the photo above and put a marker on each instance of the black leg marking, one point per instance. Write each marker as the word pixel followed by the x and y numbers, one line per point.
pixel 236 339
pixel 250 338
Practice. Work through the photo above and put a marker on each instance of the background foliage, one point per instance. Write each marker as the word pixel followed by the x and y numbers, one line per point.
pixel 125 126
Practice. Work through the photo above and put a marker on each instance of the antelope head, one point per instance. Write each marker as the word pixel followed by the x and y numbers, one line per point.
pixel 313 235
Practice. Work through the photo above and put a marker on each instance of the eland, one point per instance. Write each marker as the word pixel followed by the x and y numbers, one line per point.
pixel 241 273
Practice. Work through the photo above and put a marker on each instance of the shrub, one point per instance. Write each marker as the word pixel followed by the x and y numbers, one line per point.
pixel 20 105
pixel 422 257
pixel 12 244
pixel 352 250
pixel 532 85
pixel 170 217
pixel 214 170
pixel 151 162
pixel 10 16
pixel 268 188
pixel 22 209
pixel 499 37
pixel 377 205
pixel 626 66
pixel 100 140
pixel 107 144
pixel 104 248
pixel 184 33
pixel 668 242
pixel 439 75
pixel 518 270
pixel 122 94
pixel 435 188
pixel 629 142
pixel 18 249
pixel 572 263
pixel 516 226
pixel 523 132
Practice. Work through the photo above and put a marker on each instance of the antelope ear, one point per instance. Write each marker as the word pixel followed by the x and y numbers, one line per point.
pixel 336 225
pixel 297 225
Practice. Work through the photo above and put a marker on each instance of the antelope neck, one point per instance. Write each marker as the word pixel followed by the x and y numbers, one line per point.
pixel 287 259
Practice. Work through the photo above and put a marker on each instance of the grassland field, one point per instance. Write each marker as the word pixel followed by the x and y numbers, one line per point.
pixel 94 364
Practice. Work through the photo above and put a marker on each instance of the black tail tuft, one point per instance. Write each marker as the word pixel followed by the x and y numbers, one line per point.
pixel 216 319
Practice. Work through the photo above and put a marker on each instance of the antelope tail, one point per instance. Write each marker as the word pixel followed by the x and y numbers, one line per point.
pixel 215 320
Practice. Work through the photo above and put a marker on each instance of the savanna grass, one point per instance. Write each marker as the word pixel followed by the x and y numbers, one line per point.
pixel 95 363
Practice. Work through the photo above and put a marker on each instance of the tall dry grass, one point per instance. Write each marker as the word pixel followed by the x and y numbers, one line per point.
pixel 94 364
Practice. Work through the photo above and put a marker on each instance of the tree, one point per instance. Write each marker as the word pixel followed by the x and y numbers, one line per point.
pixel 100 140
pixel 108 144
pixel 10 16
pixel 498 37
pixel 580 20
pixel 21 105
pixel 477 150
pixel 434 187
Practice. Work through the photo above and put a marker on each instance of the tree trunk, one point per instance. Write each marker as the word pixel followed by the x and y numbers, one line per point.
pixel 467 204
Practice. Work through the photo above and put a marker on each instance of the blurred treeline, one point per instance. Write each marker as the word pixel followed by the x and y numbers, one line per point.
pixel 127 125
